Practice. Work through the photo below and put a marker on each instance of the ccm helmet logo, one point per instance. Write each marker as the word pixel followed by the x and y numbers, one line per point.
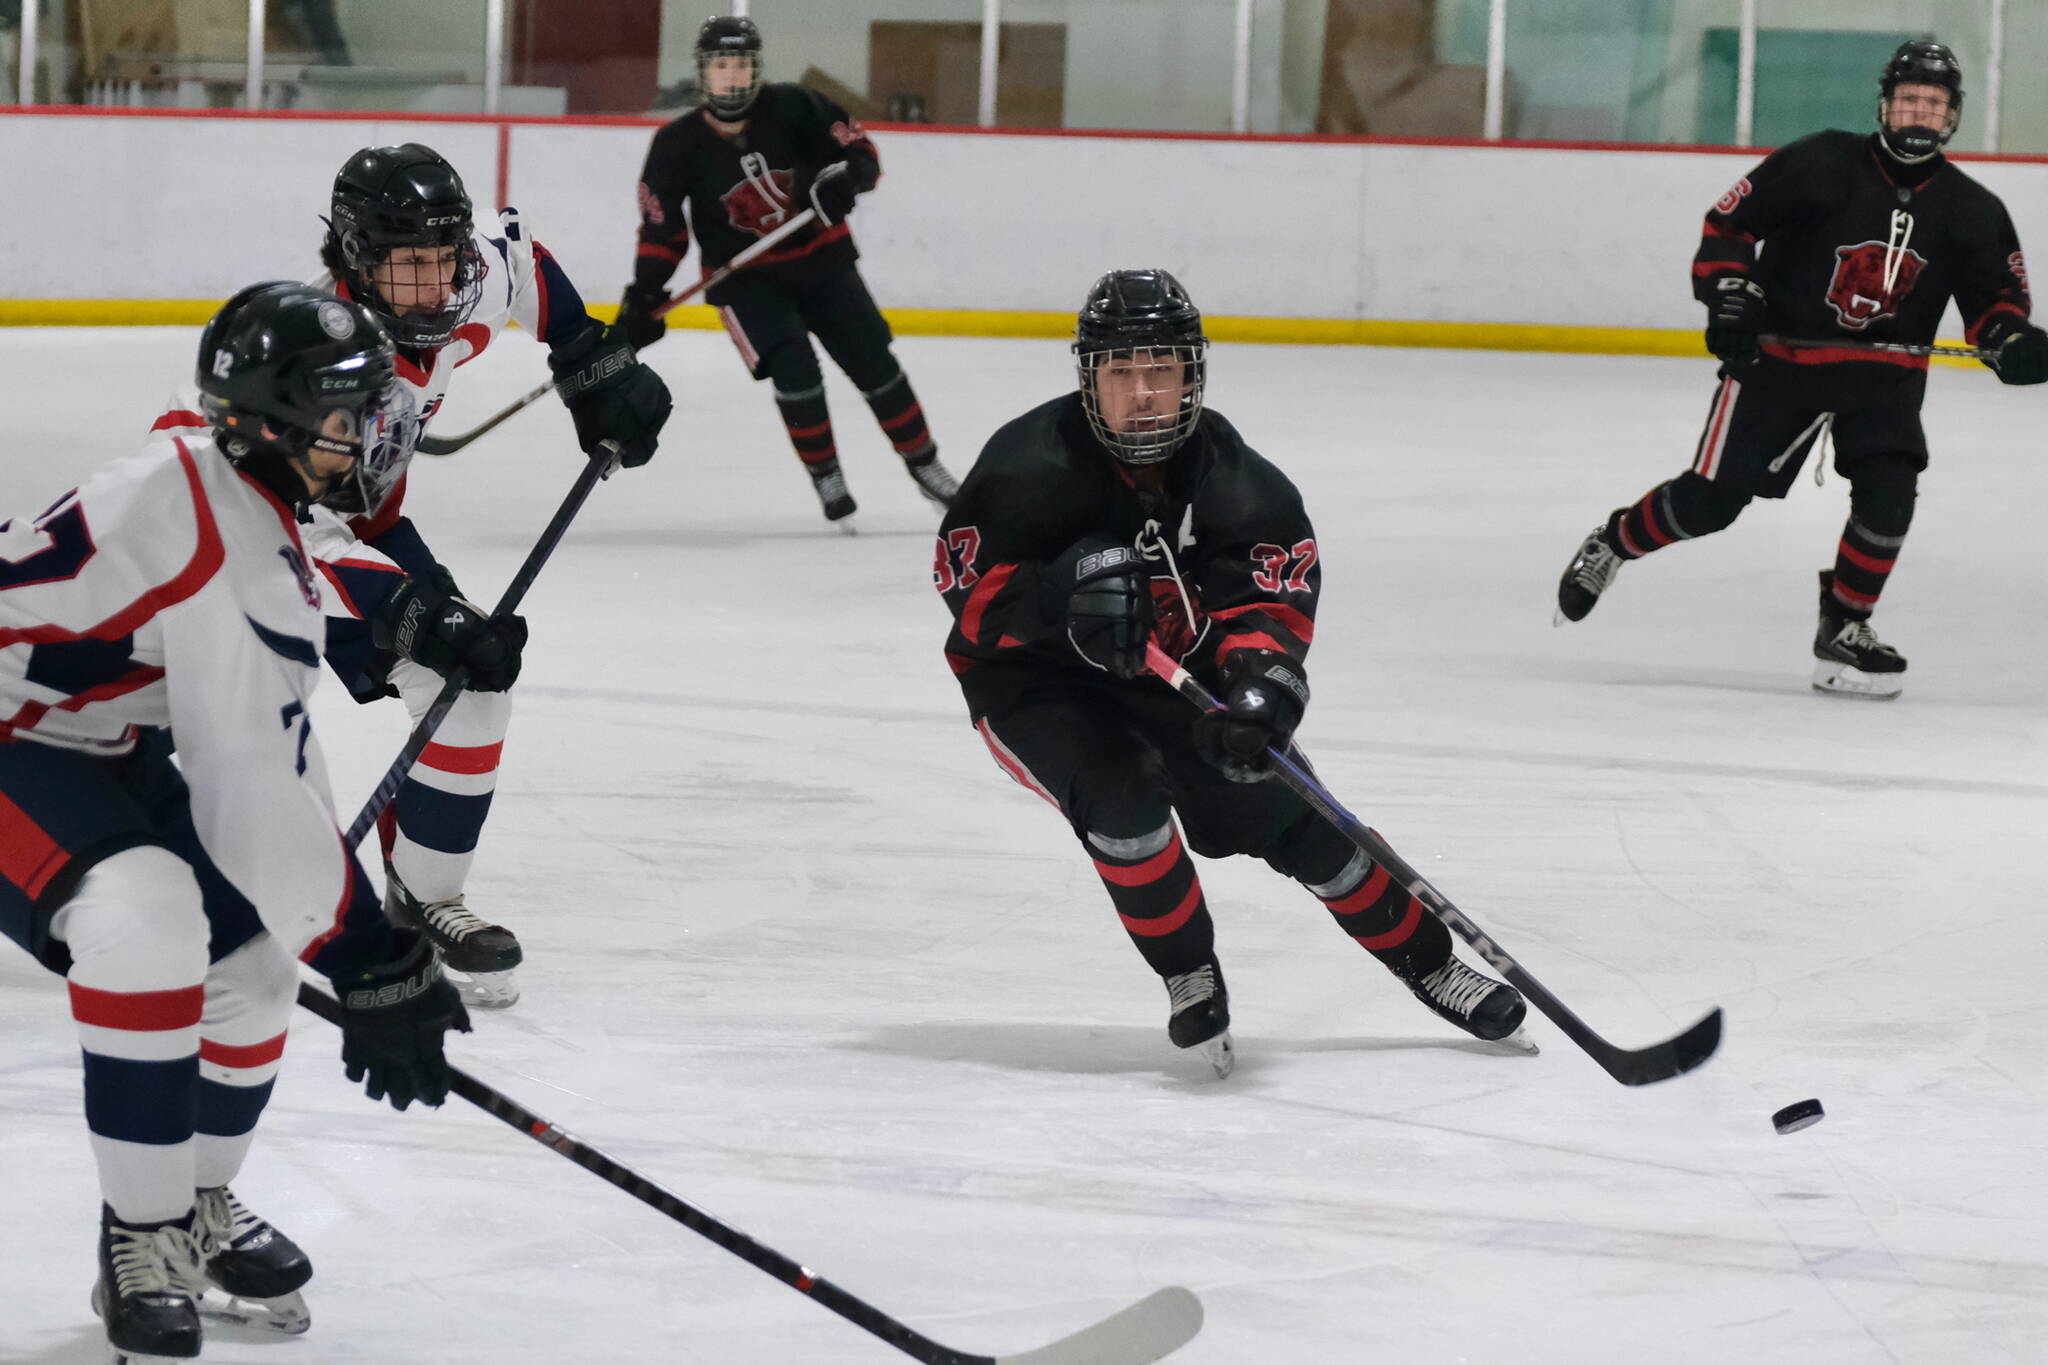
pixel 445 221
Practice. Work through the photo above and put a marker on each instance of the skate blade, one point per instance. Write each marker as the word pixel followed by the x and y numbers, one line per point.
pixel 287 1313
pixel 846 526
pixel 1219 1053
pixel 1847 680
pixel 485 990
pixel 121 1357
pixel 1520 1041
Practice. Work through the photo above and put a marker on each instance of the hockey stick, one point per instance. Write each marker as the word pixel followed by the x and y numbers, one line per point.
pixel 599 466
pixel 439 445
pixel 1883 347
pixel 1150 1329
pixel 1638 1066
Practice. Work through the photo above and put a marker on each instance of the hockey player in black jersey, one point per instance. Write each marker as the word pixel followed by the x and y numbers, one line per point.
pixel 743 164
pixel 1129 511
pixel 1863 239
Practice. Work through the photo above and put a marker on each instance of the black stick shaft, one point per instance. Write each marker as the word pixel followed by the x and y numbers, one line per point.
pixel 1887 347
pixel 599 466
pixel 1630 1068
pixel 764 1258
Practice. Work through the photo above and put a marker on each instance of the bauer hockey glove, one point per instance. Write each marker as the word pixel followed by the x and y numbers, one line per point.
pixel 637 315
pixel 1735 321
pixel 1102 590
pixel 428 621
pixel 832 193
pixel 1263 697
pixel 610 395
pixel 2021 350
pixel 393 1016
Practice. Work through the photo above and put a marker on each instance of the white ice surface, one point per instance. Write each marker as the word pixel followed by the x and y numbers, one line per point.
pixel 797 950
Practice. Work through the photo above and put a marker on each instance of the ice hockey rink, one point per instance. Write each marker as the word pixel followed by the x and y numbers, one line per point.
pixel 797 950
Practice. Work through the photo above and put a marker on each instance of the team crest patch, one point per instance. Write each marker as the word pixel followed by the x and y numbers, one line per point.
pixel 308 588
pixel 335 321
pixel 760 203
pixel 1858 293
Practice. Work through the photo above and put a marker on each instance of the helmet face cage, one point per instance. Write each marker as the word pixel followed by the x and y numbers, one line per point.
pixel 418 328
pixel 387 199
pixel 1149 439
pixel 1921 62
pixel 386 430
pixel 729 36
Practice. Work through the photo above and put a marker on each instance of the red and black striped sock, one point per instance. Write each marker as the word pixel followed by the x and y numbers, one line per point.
pixel 1863 561
pixel 1152 882
pixel 1387 921
pixel 1633 532
pixel 901 417
pixel 809 424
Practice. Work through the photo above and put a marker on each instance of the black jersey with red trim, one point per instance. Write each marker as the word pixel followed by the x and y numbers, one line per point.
pixel 1240 539
pixel 740 185
pixel 1857 247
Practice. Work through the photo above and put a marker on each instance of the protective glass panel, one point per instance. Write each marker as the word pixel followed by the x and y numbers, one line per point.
pixel 894 61
pixel 380 54
pixel 1386 68
pixel 1818 61
pixel 1158 65
pixel 1619 71
pixel 178 54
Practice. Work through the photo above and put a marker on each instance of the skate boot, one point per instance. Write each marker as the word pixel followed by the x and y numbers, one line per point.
pixel 141 1294
pixel 478 955
pixel 833 496
pixel 934 480
pixel 1590 573
pixel 252 1272
pixel 1853 662
pixel 1485 1008
pixel 1201 1015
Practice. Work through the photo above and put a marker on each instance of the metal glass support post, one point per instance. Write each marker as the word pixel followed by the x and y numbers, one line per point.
pixel 252 82
pixel 739 9
pixel 25 78
pixel 1745 77
pixel 494 55
pixel 1241 70
pixel 991 56
pixel 1496 69
pixel 1994 75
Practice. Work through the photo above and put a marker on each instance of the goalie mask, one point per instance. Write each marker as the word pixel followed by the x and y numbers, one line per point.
pixel 401 236
pixel 1142 362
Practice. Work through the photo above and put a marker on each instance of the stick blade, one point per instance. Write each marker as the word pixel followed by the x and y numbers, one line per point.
pixel 1667 1059
pixel 1151 1329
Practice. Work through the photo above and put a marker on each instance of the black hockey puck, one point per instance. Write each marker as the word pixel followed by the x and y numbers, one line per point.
pixel 1793 1117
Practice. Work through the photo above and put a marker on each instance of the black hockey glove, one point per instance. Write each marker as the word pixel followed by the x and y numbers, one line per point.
pixel 610 395
pixel 1735 321
pixel 393 1016
pixel 637 315
pixel 1103 591
pixel 428 621
pixel 2021 350
pixel 832 193
pixel 1263 697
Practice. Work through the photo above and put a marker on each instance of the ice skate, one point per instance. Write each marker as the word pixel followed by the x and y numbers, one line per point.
pixel 140 1293
pixel 252 1272
pixel 1201 1016
pixel 478 955
pixel 833 495
pixel 1487 1009
pixel 934 480
pixel 1853 662
pixel 1590 573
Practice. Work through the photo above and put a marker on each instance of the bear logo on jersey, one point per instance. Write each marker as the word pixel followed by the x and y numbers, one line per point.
pixel 760 203
pixel 1858 293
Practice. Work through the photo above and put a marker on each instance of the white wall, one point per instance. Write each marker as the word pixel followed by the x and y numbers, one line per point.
pixel 112 207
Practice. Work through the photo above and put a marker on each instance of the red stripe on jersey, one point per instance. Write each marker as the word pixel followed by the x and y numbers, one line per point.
pixel 1397 935
pixel 1142 874
pixel 1704 268
pixel 479 336
pixel 1864 561
pixel 334 581
pixel 468 759
pixel 1296 623
pixel 1172 920
pixel 1258 639
pixel 369 528
pixel 206 559
pixel 254 1055
pixel 831 234
pixel 28 857
pixel 348 892
pixel 540 288
pixel 410 371
pixel 1713 229
pixel 1971 332
pixel 984 593
pixel 1367 892
pixel 138 1011
pixel 179 417
pixel 32 712
pixel 959 663
pixel 1835 355
pixel 659 252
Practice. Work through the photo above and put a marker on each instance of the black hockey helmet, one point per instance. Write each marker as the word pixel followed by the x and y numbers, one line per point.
pixel 386 198
pixel 729 35
pixel 1920 61
pixel 277 361
pixel 1134 311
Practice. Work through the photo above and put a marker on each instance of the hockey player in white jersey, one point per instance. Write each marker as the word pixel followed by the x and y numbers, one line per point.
pixel 171 595
pixel 402 241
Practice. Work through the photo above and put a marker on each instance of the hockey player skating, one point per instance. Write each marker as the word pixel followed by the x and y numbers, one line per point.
pixel 402 241
pixel 1864 239
pixel 1121 512
pixel 754 155
pixel 172 594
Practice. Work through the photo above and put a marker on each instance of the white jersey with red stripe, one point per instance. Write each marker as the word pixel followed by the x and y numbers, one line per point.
pixel 169 590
